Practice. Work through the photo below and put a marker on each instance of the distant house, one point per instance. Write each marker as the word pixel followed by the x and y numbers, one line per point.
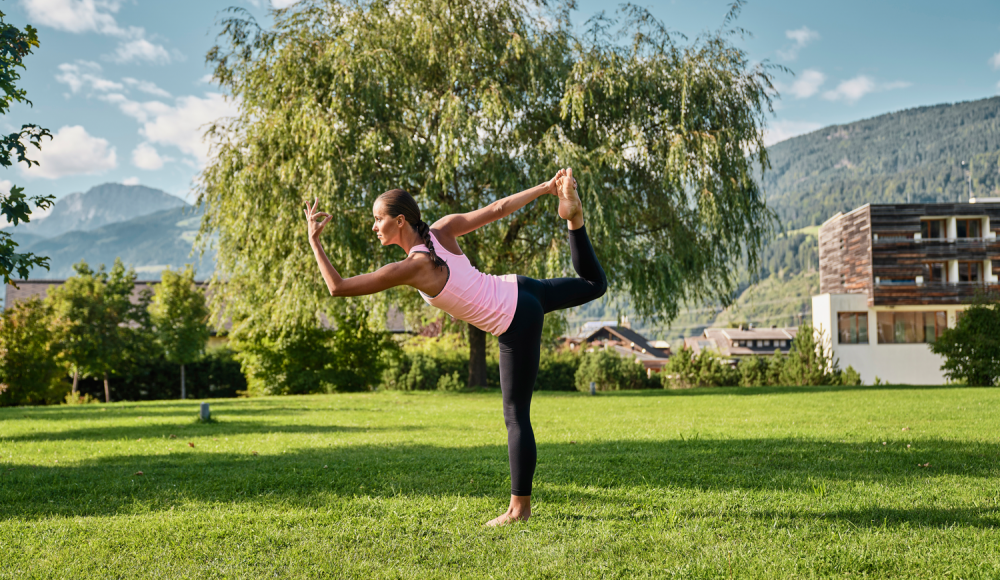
pixel 623 340
pixel 736 343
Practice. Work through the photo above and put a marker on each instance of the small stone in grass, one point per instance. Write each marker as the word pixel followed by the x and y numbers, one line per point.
pixel 324 467
pixel 572 442
pixel 906 428
pixel 190 444
pixel 907 445
pixel 883 443
pixel 138 473
pixel 253 453
pixel 173 437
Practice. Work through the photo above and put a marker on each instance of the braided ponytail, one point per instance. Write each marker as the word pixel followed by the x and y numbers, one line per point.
pixel 398 202
pixel 424 231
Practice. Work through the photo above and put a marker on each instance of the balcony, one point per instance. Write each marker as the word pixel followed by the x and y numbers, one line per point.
pixel 905 294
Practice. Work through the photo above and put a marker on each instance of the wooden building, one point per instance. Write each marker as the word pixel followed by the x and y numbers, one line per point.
pixel 737 343
pixel 626 342
pixel 893 277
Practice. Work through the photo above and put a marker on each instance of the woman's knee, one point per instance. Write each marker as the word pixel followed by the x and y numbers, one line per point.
pixel 600 286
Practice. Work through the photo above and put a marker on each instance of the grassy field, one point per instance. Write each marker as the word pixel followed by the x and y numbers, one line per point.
pixel 710 483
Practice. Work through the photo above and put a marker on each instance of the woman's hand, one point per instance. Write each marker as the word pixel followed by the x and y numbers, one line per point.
pixel 316 220
pixel 552 185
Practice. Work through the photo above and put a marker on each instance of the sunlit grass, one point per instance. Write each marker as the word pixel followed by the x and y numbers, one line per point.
pixel 876 482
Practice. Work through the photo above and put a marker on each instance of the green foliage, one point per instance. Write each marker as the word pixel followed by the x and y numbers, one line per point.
pixel 609 372
pixel 850 377
pixel 97 327
pixel 15 44
pixel 706 369
pixel 462 102
pixel 972 348
pixel 753 371
pixel 30 370
pixel 809 361
pixel 312 359
pixel 180 317
pixel 428 363
pixel 557 370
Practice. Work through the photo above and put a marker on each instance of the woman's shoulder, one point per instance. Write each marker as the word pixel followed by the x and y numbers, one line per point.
pixel 447 241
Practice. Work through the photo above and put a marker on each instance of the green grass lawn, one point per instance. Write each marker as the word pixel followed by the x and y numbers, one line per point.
pixel 707 483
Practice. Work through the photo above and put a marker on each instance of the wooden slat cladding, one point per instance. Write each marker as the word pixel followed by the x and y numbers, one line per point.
pixel 845 258
pixel 929 294
pixel 909 258
pixel 904 219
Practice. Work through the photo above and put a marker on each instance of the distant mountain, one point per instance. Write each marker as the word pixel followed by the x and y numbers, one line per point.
pixel 100 206
pixel 912 155
pixel 148 243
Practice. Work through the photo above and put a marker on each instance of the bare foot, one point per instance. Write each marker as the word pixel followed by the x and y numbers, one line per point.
pixel 570 206
pixel 519 511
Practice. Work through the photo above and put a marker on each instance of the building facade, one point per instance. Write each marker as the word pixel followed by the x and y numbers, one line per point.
pixel 737 343
pixel 893 277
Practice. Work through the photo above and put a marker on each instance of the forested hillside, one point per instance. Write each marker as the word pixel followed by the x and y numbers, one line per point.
pixel 912 155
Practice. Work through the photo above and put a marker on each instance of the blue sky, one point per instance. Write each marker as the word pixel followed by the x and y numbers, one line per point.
pixel 122 82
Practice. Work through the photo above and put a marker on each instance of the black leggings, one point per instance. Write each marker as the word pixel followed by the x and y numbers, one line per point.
pixel 520 349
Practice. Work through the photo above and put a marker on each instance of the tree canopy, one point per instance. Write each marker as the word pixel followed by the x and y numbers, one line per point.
pixel 15 206
pixel 180 319
pixel 462 102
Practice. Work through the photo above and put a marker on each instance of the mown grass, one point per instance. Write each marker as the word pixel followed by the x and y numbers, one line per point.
pixel 707 483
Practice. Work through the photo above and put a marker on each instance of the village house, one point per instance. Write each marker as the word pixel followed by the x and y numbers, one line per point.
pixel 623 340
pixel 734 344
pixel 894 277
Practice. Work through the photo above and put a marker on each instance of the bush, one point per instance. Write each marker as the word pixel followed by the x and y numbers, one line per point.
pixel 610 372
pixel 310 359
pixel 217 374
pixel 808 362
pixel 850 377
pixel 428 363
pixel 753 371
pixel 557 371
pixel 706 369
pixel 30 371
pixel 972 348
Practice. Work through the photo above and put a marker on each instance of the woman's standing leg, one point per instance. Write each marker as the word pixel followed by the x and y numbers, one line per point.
pixel 520 348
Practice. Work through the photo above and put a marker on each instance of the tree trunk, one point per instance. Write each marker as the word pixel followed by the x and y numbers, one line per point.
pixel 76 379
pixel 107 391
pixel 183 386
pixel 477 357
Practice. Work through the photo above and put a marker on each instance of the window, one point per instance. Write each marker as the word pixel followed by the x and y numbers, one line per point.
pixel 910 327
pixel 933 229
pixel 852 328
pixel 784 343
pixel 969 228
pixel 896 281
pixel 767 343
pixel 937 272
pixel 970 271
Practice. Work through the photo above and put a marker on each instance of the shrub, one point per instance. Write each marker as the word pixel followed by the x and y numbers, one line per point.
pixel 753 371
pixel 30 372
pixel 609 371
pixel 424 362
pixel 972 348
pixel 809 361
pixel 451 382
pixel 557 371
pixel 850 377
pixel 706 369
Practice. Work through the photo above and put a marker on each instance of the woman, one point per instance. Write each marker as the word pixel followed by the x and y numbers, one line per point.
pixel 509 307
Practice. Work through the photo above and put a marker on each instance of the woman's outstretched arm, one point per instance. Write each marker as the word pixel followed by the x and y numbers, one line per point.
pixel 459 224
pixel 406 272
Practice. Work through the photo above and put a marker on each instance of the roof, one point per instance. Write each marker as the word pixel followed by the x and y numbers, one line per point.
pixel 721 340
pixel 629 337
pixel 30 288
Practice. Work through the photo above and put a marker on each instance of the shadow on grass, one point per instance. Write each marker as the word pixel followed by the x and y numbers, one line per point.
pixel 189 427
pixel 570 475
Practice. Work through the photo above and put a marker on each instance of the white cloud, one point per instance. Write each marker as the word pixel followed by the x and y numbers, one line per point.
pixel 995 61
pixel 5 185
pixel 145 156
pixel 146 87
pixel 780 130
pixel 852 90
pixel 80 16
pixel 138 50
pixel 808 84
pixel 181 125
pixel 282 3
pixel 72 151
pixel 130 181
pixel 801 38
pixel 84 74
pixel 205 80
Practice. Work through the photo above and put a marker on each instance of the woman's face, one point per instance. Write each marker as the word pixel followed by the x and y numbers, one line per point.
pixel 387 228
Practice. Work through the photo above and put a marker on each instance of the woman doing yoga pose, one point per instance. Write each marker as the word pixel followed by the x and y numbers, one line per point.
pixel 510 307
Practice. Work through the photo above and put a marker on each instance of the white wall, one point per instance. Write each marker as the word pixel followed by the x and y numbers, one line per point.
pixel 912 364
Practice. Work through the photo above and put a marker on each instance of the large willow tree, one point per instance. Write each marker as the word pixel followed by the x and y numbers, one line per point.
pixel 461 102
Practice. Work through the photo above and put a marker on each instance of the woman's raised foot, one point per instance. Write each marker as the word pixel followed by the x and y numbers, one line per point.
pixel 570 206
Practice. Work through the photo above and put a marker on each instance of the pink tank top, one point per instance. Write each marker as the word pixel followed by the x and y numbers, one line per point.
pixel 485 301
